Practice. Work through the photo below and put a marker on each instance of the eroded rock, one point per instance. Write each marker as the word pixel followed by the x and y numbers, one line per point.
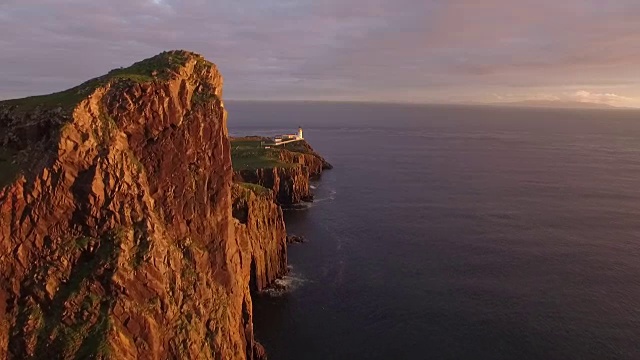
pixel 116 232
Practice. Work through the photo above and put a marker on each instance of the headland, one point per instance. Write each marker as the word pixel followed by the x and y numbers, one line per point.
pixel 131 226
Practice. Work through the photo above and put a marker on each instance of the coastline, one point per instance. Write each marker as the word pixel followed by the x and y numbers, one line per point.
pixel 123 231
pixel 266 183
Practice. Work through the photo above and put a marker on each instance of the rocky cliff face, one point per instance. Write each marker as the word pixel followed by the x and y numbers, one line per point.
pixel 116 229
pixel 290 184
pixel 289 179
pixel 303 154
pixel 261 233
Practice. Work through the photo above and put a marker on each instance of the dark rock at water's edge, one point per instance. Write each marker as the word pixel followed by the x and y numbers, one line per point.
pixel 258 352
pixel 295 239
pixel 121 234
pixel 298 206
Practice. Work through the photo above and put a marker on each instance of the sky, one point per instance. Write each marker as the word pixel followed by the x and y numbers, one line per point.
pixel 431 51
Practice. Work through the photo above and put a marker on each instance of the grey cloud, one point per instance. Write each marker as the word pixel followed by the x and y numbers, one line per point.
pixel 427 50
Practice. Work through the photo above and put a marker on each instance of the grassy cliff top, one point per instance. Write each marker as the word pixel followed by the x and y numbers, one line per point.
pixel 249 153
pixel 24 122
pixel 158 67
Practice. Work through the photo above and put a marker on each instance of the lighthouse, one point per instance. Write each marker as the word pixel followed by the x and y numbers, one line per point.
pixel 300 137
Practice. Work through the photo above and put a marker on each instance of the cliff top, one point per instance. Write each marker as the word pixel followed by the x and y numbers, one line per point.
pixel 117 238
pixel 159 67
pixel 31 128
pixel 249 153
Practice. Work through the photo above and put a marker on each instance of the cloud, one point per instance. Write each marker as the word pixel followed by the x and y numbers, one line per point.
pixel 428 50
pixel 603 98
pixel 576 96
pixel 515 97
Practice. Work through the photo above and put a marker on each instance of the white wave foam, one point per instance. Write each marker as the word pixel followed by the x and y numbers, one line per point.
pixel 331 197
pixel 284 285
pixel 298 207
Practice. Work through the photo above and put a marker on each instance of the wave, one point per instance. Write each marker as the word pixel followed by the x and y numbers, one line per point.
pixel 298 207
pixel 284 285
pixel 330 197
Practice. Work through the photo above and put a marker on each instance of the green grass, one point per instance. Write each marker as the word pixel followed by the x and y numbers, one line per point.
pixel 82 242
pixel 82 339
pixel 203 97
pixel 9 170
pixel 250 154
pixel 134 159
pixel 298 146
pixel 255 188
pixel 142 245
pixel 247 143
pixel 157 67
pixel 95 343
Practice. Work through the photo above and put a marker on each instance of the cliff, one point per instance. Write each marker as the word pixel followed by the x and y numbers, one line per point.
pixel 117 238
pixel 300 152
pixel 290 183
pixel 261 233
pixel 286 170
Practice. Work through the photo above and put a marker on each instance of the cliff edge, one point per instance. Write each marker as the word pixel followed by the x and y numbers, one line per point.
pixel 285 169
pixel 261 233
pixel 117 237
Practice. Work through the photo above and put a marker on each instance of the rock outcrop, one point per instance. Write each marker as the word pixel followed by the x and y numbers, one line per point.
pixel 303 154
pixel 290 184
pixel 117 238
pixel 288 177
pixel 261 233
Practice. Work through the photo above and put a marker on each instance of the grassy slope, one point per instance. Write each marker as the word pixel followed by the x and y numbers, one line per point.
pixel 297 146
pixel 249 154
pixel 157 67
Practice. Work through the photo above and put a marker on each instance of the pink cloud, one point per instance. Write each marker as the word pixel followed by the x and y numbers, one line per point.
pixel 603 98
pixel 427 49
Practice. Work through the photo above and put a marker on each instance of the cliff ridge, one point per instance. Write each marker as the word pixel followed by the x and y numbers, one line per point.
pixel 117 238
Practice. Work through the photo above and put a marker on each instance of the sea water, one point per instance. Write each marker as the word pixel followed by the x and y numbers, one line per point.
pixel 459 233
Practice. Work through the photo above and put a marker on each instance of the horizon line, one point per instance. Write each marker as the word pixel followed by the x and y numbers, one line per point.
pixel 428 103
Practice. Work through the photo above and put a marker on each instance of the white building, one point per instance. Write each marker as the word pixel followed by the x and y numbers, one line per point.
pixel 287 138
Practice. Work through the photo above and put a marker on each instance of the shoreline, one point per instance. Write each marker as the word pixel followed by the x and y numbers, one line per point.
pixel 286 184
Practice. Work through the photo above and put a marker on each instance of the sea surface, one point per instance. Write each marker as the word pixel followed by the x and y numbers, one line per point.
pixel 459 233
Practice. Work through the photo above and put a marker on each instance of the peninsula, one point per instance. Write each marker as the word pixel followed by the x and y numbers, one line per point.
pixel 285 169
pixel 131 226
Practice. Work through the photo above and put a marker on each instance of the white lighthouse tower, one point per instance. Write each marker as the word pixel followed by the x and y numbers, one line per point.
pixel 300 137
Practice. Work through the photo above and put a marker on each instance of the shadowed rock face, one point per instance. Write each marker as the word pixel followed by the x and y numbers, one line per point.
pixel 261 233
pixel 116 232
pixel 290 184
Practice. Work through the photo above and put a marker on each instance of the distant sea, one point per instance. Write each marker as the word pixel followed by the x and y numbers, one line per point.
pixel 459 233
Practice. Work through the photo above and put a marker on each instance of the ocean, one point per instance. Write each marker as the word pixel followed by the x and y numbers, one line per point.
pixel 463 232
